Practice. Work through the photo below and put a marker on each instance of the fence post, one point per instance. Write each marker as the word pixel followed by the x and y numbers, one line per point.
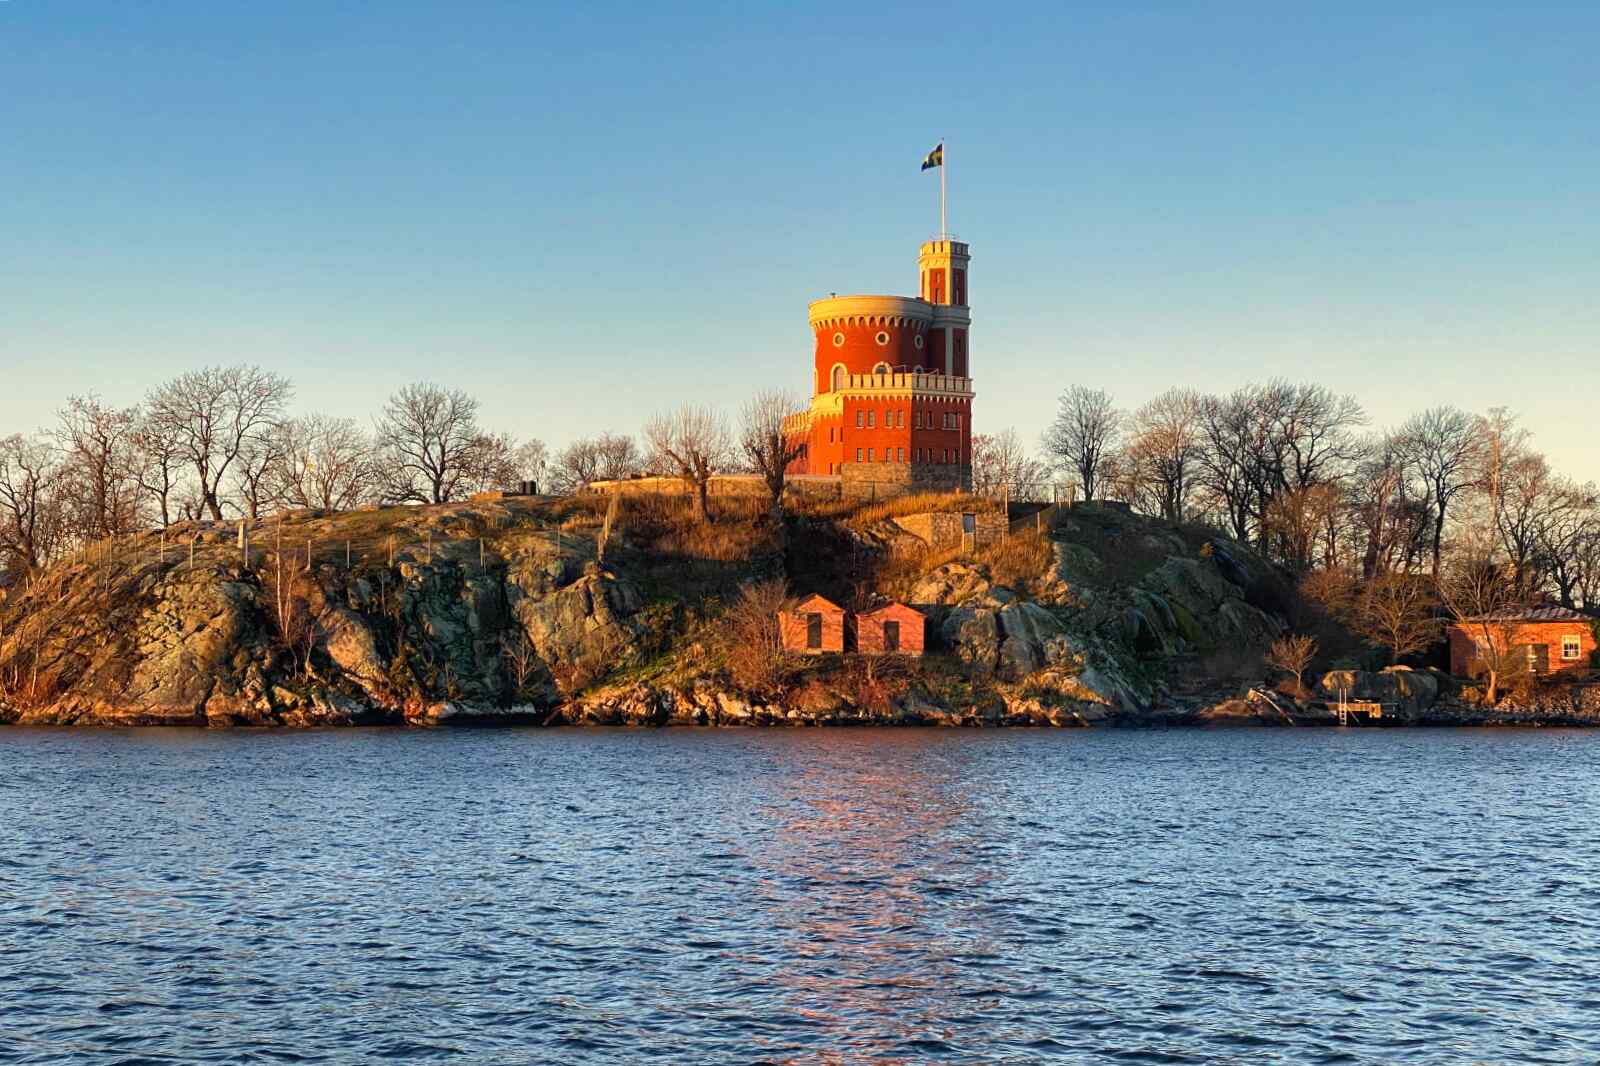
pixel 347 554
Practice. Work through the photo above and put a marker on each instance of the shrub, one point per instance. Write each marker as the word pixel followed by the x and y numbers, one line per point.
pixel 752 649
pixel 1292 655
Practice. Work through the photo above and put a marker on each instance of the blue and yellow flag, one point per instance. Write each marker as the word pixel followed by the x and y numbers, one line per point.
pixel 935 158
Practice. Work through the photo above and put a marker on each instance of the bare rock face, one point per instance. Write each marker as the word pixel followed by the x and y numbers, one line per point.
pixel 1190 600
pixel 419 641
pixel 950 585
pixel 1409 690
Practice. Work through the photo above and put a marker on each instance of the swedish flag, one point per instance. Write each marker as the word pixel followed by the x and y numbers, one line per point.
pixel 935 158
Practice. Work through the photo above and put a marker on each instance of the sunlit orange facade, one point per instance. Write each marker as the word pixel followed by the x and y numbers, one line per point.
pixel 891 380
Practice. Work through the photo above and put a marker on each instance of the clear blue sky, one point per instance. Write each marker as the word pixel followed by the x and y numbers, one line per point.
pixel 585 212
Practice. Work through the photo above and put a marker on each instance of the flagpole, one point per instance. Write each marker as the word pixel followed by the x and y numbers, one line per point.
pixel 944 167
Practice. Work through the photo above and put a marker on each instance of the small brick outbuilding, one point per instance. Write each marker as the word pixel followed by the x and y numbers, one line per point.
pixel 894 629
pixel 1554 639
pixel 815 626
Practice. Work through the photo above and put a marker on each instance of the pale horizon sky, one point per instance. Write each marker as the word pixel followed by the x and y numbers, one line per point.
pixel 582 216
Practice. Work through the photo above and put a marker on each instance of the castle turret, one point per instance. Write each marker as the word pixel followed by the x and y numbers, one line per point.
pixel 943 264
pixel 891 397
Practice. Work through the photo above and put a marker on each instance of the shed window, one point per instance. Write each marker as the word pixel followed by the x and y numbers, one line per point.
pixel 1571 649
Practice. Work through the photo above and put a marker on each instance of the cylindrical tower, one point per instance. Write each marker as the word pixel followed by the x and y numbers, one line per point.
pixel 867 335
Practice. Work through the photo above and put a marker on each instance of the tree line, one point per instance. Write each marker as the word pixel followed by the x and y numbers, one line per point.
pixel 1297 471
pixel 221 443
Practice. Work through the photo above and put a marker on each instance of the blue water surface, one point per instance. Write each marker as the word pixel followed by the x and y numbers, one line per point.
pixel 814 896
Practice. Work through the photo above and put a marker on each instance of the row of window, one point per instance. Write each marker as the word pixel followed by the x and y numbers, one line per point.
pixel 898 455
pixel 897 420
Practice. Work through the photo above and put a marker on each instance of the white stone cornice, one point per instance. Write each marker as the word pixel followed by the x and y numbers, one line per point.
pixel 870 310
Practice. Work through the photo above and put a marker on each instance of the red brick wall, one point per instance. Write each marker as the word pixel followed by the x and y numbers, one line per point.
pixel 792 627
pixel 1464 650
pixel 869 630
pixel 861 350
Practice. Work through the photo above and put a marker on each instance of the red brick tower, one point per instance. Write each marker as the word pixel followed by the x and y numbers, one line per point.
pixel 892 393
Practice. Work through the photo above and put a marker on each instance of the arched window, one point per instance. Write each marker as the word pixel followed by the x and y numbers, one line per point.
pixel 881 369
pixel 838 379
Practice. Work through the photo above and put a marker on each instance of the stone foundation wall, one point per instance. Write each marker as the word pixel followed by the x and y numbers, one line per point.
pixel 880 481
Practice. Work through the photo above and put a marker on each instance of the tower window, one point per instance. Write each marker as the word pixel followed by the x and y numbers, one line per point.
pixel 872 419
pixel 899 455
pixel 870 459
pixel 861 419
pixel 917 342
pixel 858 455
pixel 882 338
pixel 838 340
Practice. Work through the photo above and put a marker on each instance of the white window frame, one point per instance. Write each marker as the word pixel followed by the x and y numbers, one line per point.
pixel 1575 644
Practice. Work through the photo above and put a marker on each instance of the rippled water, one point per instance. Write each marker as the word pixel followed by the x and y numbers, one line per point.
pixel 815 896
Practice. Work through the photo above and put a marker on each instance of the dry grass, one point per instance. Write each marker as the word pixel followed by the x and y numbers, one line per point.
pixel 665 525
pixel 1019 559
pixel 1015 562
pixel 920 503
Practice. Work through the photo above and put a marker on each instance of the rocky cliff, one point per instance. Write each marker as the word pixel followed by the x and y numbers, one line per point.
pixel 505 610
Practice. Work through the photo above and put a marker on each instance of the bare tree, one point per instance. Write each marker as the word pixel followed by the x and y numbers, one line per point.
pixel 1165 446
pixel 157 466
pixel 324 463
pixel 607 457
pixel 30 512
pixel 575 466
pixel 693 442
pixel 430 443
pixel 531 458
pixel 1298 517
pixel 761 437
pixel 212 416
pixel 255 470
pixel 521 659
pixel 1000 464
pixel 1564 532
pixel 1442 446
pixel 1292 655
pixel 99 467
pixel 617 456
pixel 1501 445
pixel 1390 509
pixel 1482 597
pixel 1085 429
pixel 1396 611
pixel 1231 459
pixel 491 463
